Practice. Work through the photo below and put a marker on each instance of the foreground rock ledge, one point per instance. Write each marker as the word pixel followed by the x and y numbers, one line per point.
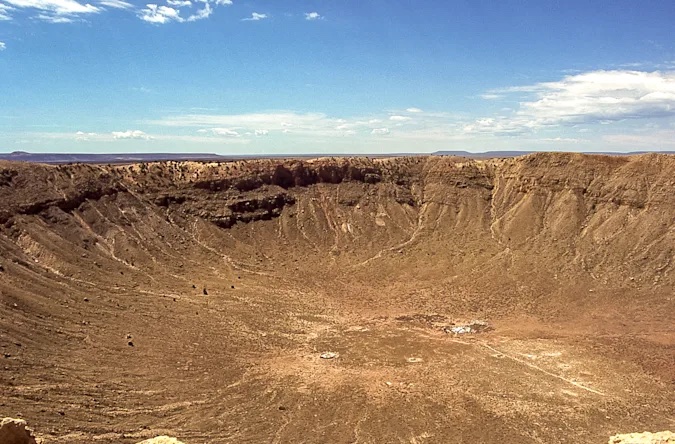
pixel 15 431
pixel 161 440
pixel 644 438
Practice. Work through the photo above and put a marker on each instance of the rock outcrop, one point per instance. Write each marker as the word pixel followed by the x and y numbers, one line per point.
pixel 644 438
pixel 15 431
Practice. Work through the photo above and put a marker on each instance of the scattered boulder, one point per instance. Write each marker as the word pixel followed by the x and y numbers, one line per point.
pixel 666 437
pixel 161 440
pixel 15 431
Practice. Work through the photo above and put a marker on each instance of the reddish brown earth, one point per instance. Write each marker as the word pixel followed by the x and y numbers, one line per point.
pixel 194 300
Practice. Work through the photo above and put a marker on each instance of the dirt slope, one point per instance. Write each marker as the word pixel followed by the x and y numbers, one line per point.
pixel 195 299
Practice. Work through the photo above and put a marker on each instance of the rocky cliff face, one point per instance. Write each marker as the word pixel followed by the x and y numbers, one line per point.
pixel 605 215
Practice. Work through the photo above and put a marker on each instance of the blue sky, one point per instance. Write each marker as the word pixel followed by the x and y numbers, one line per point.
pixel 255 77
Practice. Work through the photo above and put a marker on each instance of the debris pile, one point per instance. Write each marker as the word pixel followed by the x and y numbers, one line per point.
pixel 470 328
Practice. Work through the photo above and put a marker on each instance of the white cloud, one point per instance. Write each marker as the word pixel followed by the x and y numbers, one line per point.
pixel 399 118
pixel 225 132
pixel 82 136
pixel 160 14
pixel 595 97
pixel 313 16
pixel 491 96
pixel 604 95
pixel 414 110
pixel 3 46
pixel 117 4
pixel 262 132
pixel 154 13
pixel 255 17
pixel 131 134
pixel 501 126
pixel 380 131
pixel 58 7
pixel 203 13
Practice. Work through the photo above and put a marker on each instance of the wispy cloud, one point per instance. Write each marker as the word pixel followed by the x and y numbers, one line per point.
pixel 3 46
pixel 657 140
pixel 399 118
pixel 255 17
pixel 588 98
pixel 564 139
pixel 201 14
pixel 179 3
pixel 414 110
pixel 133 136
pixel 275 120
pixel 308 125
pixel 116 4
pixel 313 16
pixel 53 18
pixel 491 96
pixel 4 12
pixel 141 89
pixel 428 126
pixel 52 10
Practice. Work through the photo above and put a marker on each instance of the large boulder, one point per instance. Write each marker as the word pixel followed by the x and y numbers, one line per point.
pixel 161 440
pixel 644 438
pixel 15 431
